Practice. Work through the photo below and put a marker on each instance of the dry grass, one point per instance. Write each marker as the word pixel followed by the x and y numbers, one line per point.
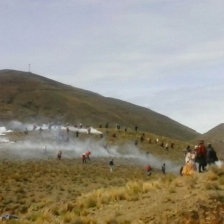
pixel 68 192
pixel 131 191
pixel 28 188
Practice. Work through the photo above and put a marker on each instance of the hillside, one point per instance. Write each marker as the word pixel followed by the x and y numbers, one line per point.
pixel 29 97
pixel 216 133
pixel 215 136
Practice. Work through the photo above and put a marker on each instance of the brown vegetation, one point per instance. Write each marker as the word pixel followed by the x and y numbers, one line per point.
pixel 68 192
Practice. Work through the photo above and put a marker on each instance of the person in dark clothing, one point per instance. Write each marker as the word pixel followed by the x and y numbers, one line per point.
pixel 83 158
pixel 136 128
pixel 59 155
pixel 111 165
pixel 211 155
pixel 164 168
pixel 188 149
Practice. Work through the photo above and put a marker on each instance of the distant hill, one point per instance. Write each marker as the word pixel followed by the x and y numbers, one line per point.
pixel 215 136
pixel 28 97
pixel 216 133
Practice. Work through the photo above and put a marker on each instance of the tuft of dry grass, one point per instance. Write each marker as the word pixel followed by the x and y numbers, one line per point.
pixel 131 191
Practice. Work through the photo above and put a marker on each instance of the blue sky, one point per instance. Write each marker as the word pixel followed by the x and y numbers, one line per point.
pixel 167 55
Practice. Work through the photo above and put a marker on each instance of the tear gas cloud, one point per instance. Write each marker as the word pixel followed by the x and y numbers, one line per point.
pixel 47 149
pixel 45 144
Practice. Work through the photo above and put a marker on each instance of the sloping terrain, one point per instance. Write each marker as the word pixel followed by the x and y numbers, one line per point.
pixel 46 190
pixel 215 136
pixel 216 133
pixel 68 192
pixel 25 96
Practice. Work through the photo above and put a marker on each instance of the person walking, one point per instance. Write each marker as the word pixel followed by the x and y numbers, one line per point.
pixel 111 165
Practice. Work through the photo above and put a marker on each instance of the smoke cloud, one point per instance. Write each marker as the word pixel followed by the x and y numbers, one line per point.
pixel 46 143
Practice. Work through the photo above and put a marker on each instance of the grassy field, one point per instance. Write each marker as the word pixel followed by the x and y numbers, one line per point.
pixel 67 191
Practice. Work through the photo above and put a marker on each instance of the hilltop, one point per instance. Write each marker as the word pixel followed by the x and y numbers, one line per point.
pixel 28 97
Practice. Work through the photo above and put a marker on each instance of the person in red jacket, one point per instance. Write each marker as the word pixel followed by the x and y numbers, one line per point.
pixel 88 155
pixel 148 170
pixel 201 154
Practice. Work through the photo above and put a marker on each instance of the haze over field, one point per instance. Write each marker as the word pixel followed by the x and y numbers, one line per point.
pixel 111 111
pixel 166 55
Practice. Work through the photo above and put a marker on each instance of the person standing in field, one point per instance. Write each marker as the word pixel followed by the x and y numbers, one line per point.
pixel 148 170
pixel 211 155
pixel 111 165
pixel 83 158
pixel 164 168
pixel 88 155
pixel 59 155
pixel 201 154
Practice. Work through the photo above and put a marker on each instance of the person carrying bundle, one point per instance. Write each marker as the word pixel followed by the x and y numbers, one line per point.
pixel 190 167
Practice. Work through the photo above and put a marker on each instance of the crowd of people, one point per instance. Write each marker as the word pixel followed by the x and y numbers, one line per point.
pixel 197 159
pixel 201 157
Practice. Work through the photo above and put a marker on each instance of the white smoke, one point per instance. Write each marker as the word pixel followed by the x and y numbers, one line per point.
pixel 46 140
pixel 19 126
pixel 3 132
pixel 219 163
pixel 48 146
